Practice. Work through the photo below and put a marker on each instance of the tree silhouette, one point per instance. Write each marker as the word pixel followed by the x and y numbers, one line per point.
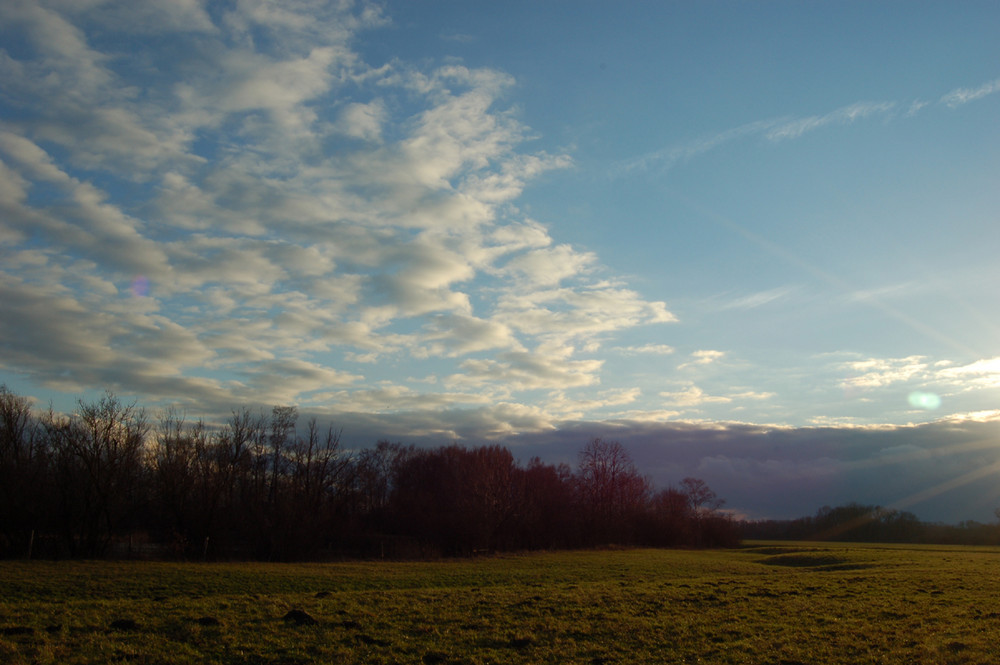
pixel 612 491
pixel 99 469
pixel 261 487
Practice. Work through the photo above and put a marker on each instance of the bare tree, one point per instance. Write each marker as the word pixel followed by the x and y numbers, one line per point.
pixel 24 473
pixel 282 431
pixel 549 519
pixel 709 528
pixel 318 467
pixel 494 491
pixel 671 519
pixel 259 488
pixel 612 490
pixel 99 455
pixel 241 457
pixel 185 482
pixel 373 472
pixel 700 497
pixel 318 482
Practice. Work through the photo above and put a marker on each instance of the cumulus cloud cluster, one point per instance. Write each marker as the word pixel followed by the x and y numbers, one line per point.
pixel 304 226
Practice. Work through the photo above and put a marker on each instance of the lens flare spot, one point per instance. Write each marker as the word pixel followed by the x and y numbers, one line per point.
pixel 926 401
pixel 140 287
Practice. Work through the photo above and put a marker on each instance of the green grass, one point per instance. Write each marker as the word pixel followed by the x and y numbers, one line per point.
pixel 766 603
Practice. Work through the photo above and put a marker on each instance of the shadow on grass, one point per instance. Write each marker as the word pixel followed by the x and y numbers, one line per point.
pixel 814 561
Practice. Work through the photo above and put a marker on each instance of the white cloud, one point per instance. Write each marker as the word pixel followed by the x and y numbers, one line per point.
pixel 961 96
pixel 987 416
pixel 667 158
pixel 881 372
pixel 240 264
pixel 760 298
pixel 79 102
pixel 652 349
pixel 34 160
pixel 789 128
pixel 547 367
pixel 549 267
pixel 878 294
pixel 459 132
pixel 572 408
pixel 568 313
pixel 916 107
pixel 363 121
pixel 286 208
pixel 63 45
pixel 253 82
pixel 394 398
pixel 149 16
pixel 71 342
pixel 703 357
pixel 80 218
pixel 845 115
pixel 693 396
pixel 287 380
pixel 753 395
pixel 464 423
pixel 521 235
pixel 456 335
pixel 980 374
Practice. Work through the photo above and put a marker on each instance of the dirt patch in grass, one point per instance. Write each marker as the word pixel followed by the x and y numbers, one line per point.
pixel 16 631
pixel 125 625
pixel 299 618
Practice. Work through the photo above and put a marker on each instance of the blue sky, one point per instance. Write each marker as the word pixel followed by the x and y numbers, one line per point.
pixel 465 221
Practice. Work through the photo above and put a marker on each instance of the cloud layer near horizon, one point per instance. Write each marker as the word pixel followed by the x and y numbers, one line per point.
pixel 231 206
pixel 943 471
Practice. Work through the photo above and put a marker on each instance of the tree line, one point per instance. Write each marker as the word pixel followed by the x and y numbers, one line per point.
pixel 110 480
pixel 855 522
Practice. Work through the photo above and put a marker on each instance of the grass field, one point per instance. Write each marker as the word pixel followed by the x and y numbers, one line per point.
pixel 776 603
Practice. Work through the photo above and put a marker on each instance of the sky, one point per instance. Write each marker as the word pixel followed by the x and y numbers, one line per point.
pixel 753 242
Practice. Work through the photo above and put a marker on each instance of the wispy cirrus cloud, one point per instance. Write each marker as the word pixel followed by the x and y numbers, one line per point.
pixel 667 158
pixel 961 96
pixel 846 115
pixel 791 128
pixel 759 299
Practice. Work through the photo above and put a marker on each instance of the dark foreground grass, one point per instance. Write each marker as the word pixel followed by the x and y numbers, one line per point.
pixel 775 603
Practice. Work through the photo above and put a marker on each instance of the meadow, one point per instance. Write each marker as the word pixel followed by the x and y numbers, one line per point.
pixel 773 603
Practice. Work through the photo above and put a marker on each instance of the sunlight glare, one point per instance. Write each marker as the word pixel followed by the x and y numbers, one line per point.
pixel 926 401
